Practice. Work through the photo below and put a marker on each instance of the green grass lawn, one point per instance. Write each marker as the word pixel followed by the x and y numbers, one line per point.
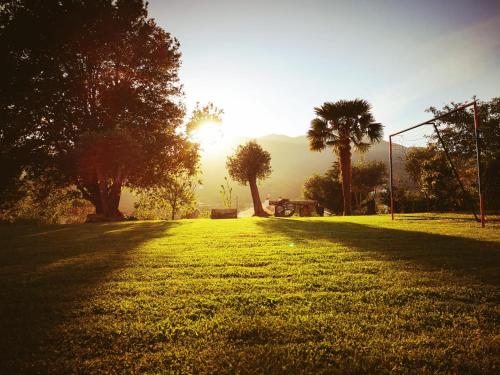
pixel 320 295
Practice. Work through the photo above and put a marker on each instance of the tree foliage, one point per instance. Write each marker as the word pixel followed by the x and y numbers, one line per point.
pixel 414 159
pixel 175 195
pixel 366 176
pixel 89 91
pixel 179 192
pixel 438 184
pixel 457 131
pixel 204 114
pixel 250 162
pixel 41 201
pixel 327 189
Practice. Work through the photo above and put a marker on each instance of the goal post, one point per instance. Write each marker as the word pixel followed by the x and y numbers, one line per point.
pixel 431 122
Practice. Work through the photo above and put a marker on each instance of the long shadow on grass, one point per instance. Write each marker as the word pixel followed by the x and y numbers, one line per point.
pixel 47 271
pixel 480 259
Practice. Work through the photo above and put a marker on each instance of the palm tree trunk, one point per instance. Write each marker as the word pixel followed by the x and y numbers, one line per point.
pixel 345 174
pixel 257 204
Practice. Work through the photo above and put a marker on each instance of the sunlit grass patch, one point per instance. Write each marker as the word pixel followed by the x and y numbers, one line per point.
pixel 320 295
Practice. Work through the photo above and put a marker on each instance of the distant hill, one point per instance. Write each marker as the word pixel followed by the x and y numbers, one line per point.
pixel 292 162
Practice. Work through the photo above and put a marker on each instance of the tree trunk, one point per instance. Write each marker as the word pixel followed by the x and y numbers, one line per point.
pixel 174 208
pixel 115 196
pixel 345 174
pixel 90 192
pixel 110 200
pixel 98 206
pixel 257 204
pixel 104 193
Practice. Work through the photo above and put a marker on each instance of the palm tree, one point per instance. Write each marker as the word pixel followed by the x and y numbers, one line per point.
pixel 342 124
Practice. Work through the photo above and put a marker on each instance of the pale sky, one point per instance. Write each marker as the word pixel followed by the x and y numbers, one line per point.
pixel 269 63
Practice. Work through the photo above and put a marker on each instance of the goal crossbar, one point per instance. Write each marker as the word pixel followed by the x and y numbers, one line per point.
pixel 478 156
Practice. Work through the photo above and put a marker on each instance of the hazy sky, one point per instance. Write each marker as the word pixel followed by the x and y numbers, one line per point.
pixel 269 63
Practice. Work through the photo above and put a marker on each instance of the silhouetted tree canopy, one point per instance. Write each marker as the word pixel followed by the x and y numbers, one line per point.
pixel 89 94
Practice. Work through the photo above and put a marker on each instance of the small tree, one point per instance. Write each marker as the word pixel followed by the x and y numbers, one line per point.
pixel 249 164
pixel 327 189
pixel 176 190
pixel 180 191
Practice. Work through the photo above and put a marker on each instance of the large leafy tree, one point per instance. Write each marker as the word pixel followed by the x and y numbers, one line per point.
pixel 249 164
pixel 89 96
pixel 340 126
pixel 457 131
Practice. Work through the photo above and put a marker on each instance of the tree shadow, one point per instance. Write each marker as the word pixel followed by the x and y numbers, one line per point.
pixel 42 285
pixel 479 259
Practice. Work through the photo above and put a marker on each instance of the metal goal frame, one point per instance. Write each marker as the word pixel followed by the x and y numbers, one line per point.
pixel 473 104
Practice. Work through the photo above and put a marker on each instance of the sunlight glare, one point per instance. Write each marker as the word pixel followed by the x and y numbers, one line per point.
pixel 210 136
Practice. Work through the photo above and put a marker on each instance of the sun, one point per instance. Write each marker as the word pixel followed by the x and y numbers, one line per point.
pixel 210 136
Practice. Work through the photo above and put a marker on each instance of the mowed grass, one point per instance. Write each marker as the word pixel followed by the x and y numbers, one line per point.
pixel 320 295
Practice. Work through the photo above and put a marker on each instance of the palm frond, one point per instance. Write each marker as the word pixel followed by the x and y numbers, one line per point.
pixel 318 134
pixel 334 142
pixel 362 146
pixel 375 132
pixel 365 119
pixel 328 111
